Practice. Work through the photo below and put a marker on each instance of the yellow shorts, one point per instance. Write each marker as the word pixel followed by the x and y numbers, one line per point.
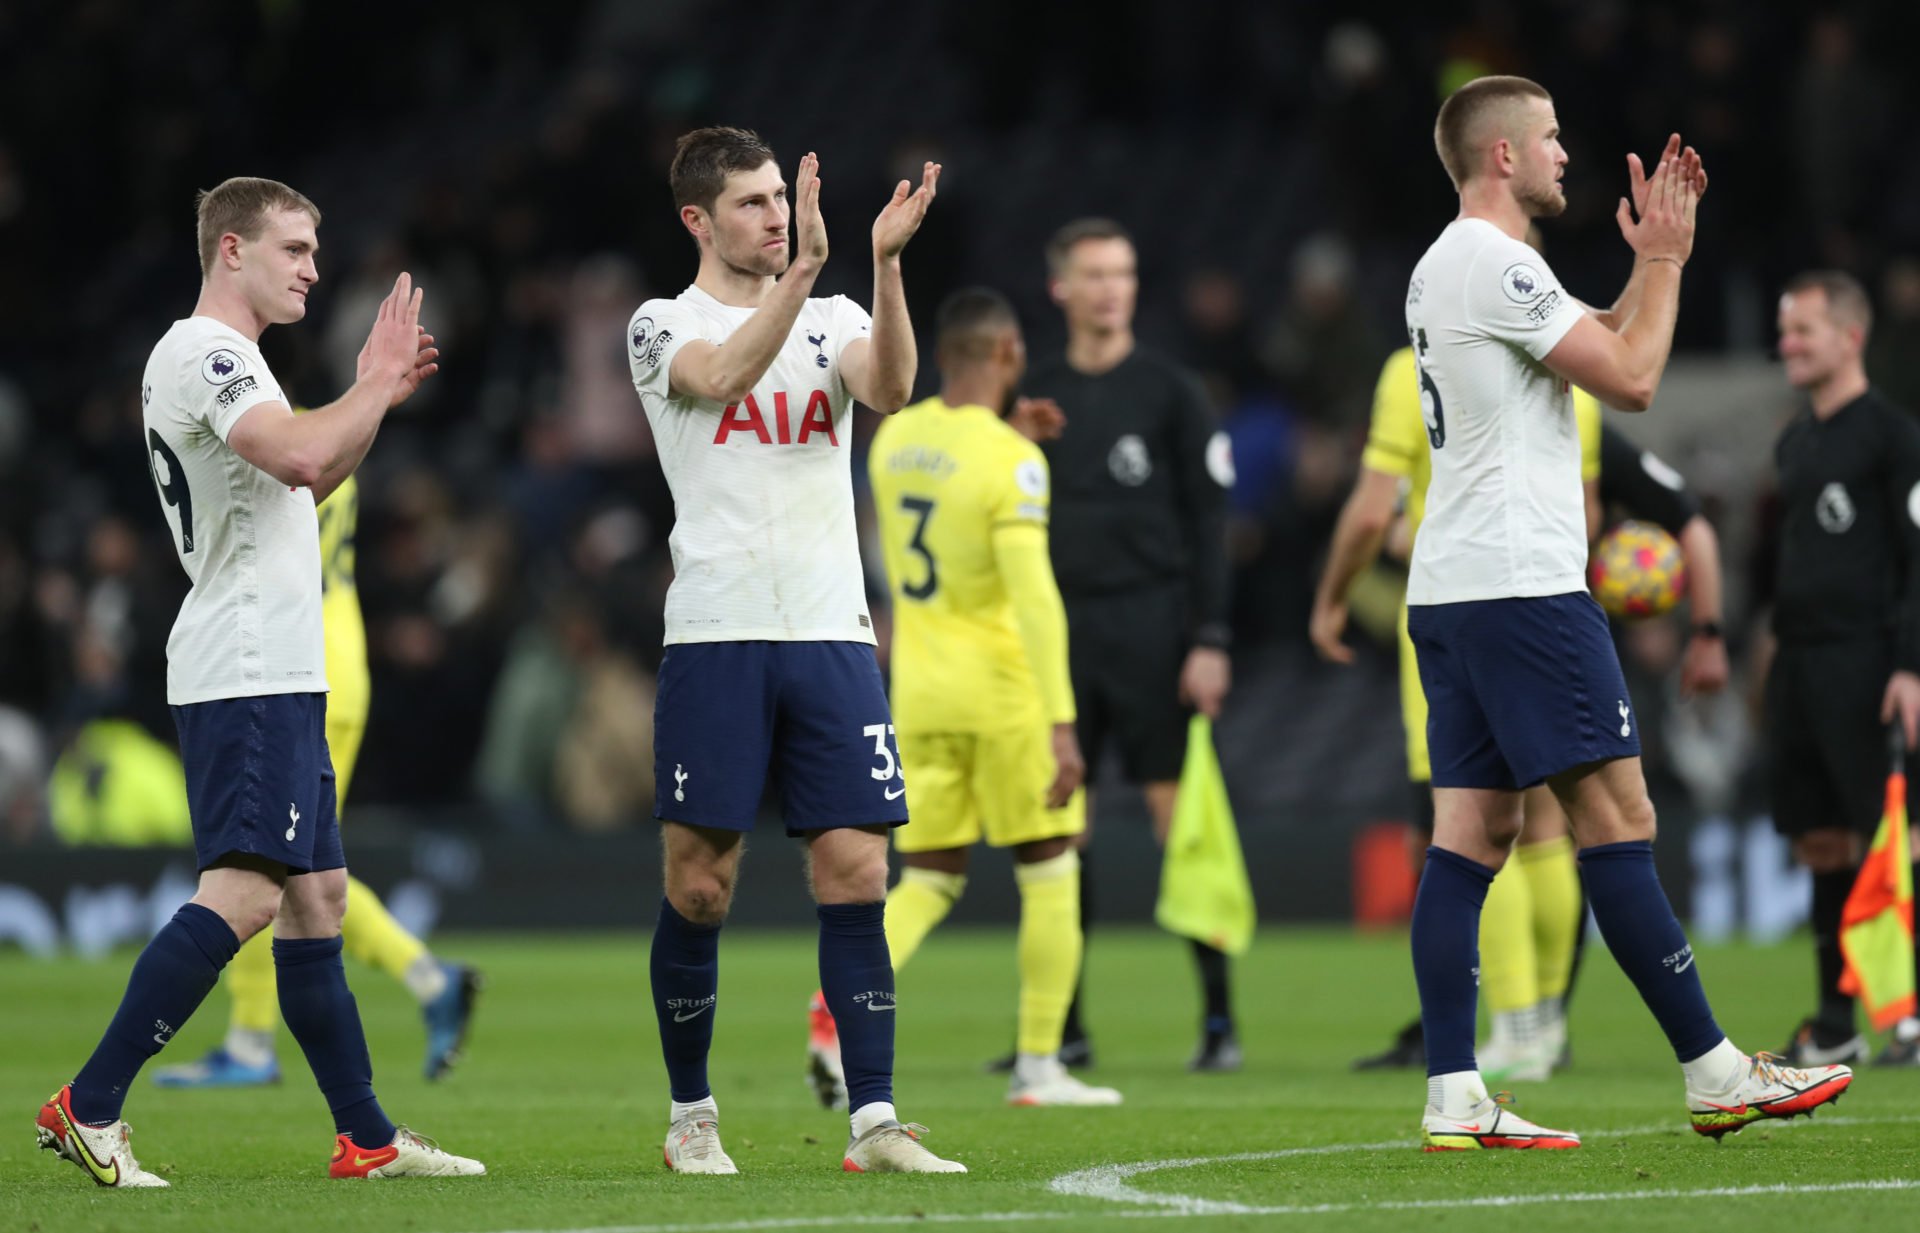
pixel 963 786
pixel 1413 708
pixel 346 725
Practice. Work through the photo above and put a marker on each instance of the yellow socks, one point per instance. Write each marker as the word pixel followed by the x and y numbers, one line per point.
pixel 1509 973
pixel 1553 878
pixel 371 935
pixel 1050 949
pixel 256 1000
pixel 920 900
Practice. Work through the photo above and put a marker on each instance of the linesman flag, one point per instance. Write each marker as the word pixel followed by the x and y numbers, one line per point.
pixel 1876 928
pixel 1204 889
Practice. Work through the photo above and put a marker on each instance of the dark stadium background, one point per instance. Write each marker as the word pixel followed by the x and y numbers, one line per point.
pixel 1274 161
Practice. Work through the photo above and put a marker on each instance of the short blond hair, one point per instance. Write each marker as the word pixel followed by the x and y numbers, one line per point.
pixel 240 206
pixel 1455 131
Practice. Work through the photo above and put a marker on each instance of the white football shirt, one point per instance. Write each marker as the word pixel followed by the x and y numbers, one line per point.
pixel 1506 514
pixel 764 543
pixel 251 545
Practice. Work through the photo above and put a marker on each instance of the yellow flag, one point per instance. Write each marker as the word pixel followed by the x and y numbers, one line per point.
pixel 1204 890
pixel 1876 926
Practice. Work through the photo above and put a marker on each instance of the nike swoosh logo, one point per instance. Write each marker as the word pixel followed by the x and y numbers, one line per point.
pixel 878 1006
pixel 160 1040
pixel 893 795
pixel 1736 1110
pixel 1474 1127
pixel 361 1162
pixel 1683 967
pixel 681 1016
pixel 108 1174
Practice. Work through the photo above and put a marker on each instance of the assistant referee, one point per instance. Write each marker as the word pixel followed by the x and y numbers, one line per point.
pixel 1847 618
pixel 1140 479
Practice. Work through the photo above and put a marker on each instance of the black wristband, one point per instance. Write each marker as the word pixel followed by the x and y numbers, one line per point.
pixel 1216 635
pixel 1707 629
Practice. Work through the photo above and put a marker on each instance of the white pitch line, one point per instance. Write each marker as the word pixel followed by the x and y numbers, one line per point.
pixel 1109 1182
pixel 1318 1209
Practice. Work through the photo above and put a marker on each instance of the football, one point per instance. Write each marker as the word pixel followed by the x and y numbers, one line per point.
pixel 1637 570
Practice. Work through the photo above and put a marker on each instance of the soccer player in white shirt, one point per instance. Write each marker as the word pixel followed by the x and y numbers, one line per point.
pixel 749 386
pixel 1515 658
pixel 238 478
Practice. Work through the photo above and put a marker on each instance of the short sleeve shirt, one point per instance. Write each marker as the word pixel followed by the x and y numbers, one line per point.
pixel 764 542
pixel 251 624
pixel 1505 514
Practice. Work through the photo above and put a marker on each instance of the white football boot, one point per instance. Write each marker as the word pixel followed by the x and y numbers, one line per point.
pixel 894 1147
pixel 408 1155
pixel 693 1143
pixel 1766 1089
pixel 101 1152
pixel 1042 1081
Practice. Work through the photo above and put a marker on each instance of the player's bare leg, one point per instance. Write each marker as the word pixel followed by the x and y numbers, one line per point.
pixel 1527 931
pixel 847 869
pixel 1613 823
pixel 320 1011
pixel 1474 828
pixel 702 865
pixel 81 1121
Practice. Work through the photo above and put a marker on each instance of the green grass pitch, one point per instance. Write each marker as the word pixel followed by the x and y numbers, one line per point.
pixel 564 1097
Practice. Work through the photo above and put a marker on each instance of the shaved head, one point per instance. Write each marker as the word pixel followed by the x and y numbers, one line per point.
pixel 1478 114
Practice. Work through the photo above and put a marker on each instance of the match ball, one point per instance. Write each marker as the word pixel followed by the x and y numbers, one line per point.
pixel 1637 570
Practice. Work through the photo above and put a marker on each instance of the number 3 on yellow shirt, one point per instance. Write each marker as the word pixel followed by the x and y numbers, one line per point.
pixel 922 510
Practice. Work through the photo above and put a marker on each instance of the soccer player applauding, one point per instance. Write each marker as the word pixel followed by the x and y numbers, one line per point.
pixel 749 386
pixel 1515 659
pixel 239 476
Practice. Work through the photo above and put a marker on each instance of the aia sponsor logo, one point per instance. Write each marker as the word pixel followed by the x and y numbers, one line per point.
pixel 746 418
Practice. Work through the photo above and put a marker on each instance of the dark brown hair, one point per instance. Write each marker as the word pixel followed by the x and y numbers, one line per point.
pixel 704 158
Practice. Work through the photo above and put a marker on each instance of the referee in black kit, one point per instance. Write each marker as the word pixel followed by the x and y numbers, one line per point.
pixel 1140 479
pixel 1847 618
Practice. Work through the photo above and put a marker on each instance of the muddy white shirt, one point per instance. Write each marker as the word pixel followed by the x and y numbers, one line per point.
pixel 764 543
pixel 251 545
pixel 1506 512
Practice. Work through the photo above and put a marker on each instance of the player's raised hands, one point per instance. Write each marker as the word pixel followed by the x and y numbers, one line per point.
pixel 398 349
pixel 1691 167
pixel 1669 200
pixel 902 215
pixel 809 232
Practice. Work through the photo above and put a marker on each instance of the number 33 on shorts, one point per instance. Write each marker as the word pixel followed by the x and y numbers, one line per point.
pixel 889 768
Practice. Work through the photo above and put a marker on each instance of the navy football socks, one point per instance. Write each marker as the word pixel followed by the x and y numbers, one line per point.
pixel 1647 942
pixel 686 983
pixel 321 1013
pixel 856 976
pixel 1446 956
pixel 170 979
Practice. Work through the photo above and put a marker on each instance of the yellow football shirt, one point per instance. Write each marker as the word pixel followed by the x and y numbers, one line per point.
pixel 962 501
pixel 343 629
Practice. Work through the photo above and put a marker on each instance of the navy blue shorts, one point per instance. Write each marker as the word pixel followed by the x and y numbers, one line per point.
pixel 1520 689
pixel 812 714
pixel 260 780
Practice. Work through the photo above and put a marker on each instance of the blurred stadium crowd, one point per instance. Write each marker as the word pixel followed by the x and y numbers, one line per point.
pixel 1275 162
